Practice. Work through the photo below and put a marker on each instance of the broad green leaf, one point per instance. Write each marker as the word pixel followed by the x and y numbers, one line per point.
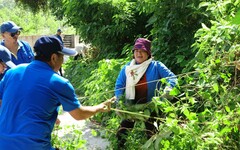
pixel 236 19
pixel 94 132
pixel 168 109
pixel 174 92
pixel 192 100
pixel 227 109
pixel 215 87
pixel 204 26
pixel 225 130
pixel 148 144
pixel 180 58
pixel 186 113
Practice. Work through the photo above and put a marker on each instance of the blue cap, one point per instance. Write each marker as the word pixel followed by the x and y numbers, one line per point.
pixel 5 56
pixel 59 30
pixel 9 26
pixel 47 45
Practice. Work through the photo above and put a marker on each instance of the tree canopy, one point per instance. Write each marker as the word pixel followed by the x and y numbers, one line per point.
pixel 112 26
pixel 38 23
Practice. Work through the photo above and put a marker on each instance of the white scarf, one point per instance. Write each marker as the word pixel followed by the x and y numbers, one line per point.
pixel 134 72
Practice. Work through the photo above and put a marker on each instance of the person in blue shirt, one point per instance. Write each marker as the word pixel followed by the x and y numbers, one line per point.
pixel 5 59
pixel 58 34
pixel 20 50
pixel 31 95
pixel 138 81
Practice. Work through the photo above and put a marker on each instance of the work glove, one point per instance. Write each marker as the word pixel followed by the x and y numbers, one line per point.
pixel 166 92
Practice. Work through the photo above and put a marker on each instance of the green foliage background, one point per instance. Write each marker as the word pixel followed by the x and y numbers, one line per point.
pixel 206 115
pixel 39 23
pixel 197 39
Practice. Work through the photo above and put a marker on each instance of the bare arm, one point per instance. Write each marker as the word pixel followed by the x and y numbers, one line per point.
pixel 85 112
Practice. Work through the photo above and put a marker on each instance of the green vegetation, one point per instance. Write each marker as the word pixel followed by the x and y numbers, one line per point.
pixel 206 113
pixel 40 23
pixel 198 39
pixel 68 141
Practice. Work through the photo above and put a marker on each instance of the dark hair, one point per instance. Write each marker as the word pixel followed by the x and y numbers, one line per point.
pixel 43 58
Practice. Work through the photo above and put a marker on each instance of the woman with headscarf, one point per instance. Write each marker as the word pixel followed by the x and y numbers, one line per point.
pixel 138 80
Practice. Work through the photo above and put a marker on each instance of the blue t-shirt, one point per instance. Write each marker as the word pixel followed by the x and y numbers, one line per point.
pixel 24 55
pixel 31 94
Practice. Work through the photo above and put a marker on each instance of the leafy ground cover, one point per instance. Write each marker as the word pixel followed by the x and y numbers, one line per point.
pixel 205 113
pixel 81 135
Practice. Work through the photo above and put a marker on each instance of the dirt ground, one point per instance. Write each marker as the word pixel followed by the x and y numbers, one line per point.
pixel 92 142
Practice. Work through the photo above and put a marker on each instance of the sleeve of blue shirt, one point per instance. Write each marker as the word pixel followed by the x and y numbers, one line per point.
pixel 1 89
pixel 120 83
pixel 66 95
pixel 166 73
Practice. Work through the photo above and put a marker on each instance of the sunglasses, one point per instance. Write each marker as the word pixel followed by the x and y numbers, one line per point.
pixel 16 33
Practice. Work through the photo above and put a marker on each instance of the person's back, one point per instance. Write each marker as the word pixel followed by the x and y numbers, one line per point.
pixel 31 95
pixel 42 102
pixel 58 35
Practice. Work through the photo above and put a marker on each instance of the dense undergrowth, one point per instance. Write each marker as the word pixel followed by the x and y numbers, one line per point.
pixel 196 39
pixel 205 113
